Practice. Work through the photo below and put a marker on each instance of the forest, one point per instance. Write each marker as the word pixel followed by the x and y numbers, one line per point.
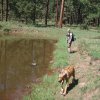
pixel 71 12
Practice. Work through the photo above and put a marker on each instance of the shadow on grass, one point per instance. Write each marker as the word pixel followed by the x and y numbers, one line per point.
pixel 98 37
pixel 73 51
pixel 42 25
pixel 71 86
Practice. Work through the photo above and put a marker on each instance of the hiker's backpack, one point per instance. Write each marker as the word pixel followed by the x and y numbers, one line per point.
pixel 73 38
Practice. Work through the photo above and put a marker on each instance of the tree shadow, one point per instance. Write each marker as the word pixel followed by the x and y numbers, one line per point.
pixel 42 25
pixel 71 86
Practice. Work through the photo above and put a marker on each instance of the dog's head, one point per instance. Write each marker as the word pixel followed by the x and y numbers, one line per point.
pixel 61 76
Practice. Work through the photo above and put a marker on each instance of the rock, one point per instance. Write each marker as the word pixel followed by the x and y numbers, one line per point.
pixel 34 64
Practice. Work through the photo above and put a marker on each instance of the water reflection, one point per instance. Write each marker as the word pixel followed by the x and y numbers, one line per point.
pixel 16 70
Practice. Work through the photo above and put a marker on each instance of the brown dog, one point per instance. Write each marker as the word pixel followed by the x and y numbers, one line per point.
pixel 65 75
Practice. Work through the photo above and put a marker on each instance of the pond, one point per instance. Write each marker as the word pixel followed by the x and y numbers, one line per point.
pixel 22 62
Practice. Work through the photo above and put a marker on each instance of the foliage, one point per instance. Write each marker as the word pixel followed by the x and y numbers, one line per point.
pixel 84 26
pixel 34 11
pixel 1 27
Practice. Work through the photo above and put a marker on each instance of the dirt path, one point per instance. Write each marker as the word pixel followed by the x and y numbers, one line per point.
pixel 83 64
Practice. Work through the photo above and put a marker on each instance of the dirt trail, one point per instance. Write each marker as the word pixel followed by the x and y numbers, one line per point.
pixel 83 64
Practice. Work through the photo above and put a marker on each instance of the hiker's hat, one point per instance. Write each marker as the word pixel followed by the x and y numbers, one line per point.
pixel 68 30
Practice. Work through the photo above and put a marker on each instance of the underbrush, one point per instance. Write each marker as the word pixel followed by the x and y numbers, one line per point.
pixel 92 88
pixel 93 48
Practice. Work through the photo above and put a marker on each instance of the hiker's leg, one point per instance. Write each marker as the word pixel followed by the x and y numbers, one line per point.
pixel 69 47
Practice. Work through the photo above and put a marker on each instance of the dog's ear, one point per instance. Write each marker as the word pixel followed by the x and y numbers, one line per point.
pixel 61 71
pixel 64 73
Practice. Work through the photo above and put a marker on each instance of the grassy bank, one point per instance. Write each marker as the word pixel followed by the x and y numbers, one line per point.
pixel 16 29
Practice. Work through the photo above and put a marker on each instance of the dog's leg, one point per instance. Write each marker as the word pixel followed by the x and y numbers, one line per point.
pixel 65 90
pixel 67 85
pixel 62 90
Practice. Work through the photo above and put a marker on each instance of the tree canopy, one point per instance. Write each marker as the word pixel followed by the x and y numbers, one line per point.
pixel 31 11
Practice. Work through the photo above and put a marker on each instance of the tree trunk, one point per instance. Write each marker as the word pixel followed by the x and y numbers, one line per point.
pixel 79 16
pixel 7 10
pixel 46 15
pixel 61 14
pixel 26 20
pixel 98 22
pixel 34 13
pixel 56 13
pixel 2 10
pixel 71 20
pixel 53 8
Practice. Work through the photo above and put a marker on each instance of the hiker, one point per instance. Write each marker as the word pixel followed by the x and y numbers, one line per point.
pixel 70 39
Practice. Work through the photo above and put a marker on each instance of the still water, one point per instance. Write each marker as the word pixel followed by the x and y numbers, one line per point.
pixel 16 69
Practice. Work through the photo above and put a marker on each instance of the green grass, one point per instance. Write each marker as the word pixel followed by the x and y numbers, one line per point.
pixel 60 54
pixel 92 86
pixel 92 47
pixel 89 41
pixel 28 31
pixel 95 48
pixel 45 91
